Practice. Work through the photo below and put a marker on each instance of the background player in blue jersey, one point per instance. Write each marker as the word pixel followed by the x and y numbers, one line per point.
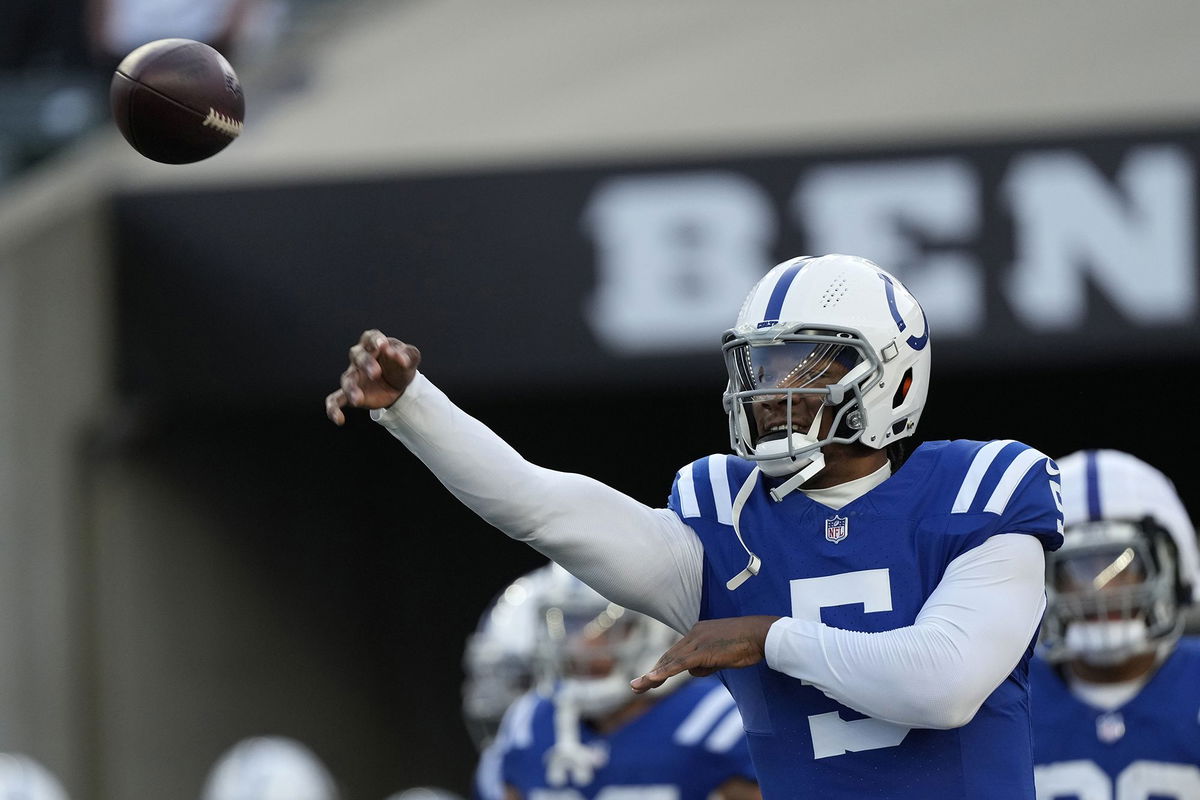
pixel 1116 691
pixel 590 737
pixel 873 615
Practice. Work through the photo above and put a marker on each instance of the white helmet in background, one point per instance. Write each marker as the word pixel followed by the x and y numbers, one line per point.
pixel 425 793
pixel 1128 566
pixel 804 318
pixel 23 778
pixel 269 768
pixel 498 657
pixel 589 649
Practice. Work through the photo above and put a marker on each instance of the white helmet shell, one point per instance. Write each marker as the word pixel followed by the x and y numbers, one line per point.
pixel 425 793
pixel 831 301
pixel 269 768
pixel 23 778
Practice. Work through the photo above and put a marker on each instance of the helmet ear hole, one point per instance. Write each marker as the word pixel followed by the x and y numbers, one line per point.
pixel 902 389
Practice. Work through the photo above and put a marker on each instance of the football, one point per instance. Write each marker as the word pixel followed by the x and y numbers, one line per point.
pixel 177 101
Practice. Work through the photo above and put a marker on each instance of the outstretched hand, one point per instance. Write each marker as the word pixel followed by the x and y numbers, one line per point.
pixel 381 368
pixel 709 646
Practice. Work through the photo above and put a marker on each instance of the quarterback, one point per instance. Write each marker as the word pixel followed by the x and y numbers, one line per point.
pixel 872 612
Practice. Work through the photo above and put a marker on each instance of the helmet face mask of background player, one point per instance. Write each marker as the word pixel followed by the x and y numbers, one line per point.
pixel 1113 592
pixel 590 649
pixel 826 350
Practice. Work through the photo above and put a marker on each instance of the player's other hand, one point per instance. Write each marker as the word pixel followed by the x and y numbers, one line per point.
pixel 711 645
pixel 381 368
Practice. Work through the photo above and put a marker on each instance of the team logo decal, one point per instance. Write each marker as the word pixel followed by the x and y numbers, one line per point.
pixel 1110 727
pixel 836 529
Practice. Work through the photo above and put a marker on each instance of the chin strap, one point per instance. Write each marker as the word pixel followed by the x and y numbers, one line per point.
pixel 778 493
pixel 791 484
pixel 738 502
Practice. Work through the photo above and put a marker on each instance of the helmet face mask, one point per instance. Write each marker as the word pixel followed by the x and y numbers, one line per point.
pixel 589 649
pixel 785 388
pixel 1113 592
pixel 838 347
pixel 589 654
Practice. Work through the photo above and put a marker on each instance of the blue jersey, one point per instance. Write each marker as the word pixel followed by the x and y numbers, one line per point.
pixel 488 781
pixel 682 748
pixel 1147 749
pixel 514 730
pixel 870 567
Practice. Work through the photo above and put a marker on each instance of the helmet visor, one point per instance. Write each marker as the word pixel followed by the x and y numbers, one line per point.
pixel 793 365
pixel 1100 570
pixel 1105 580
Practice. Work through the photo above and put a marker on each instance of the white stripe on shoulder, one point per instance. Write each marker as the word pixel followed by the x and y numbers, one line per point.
pixel 970 485
pixel 1010 479
pixel 517 725
pixel 728 732
pixel 705 713
pixel 687 493
pixel 718 476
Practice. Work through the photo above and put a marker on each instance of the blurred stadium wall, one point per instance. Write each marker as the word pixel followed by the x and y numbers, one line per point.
pixel 190 553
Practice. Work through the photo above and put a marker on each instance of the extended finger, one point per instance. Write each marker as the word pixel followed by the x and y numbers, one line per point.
pixel 666 667
pixel 333 406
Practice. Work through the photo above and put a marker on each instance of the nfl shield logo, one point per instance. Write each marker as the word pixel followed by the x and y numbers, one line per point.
pixel 1110 727
pixel 836 529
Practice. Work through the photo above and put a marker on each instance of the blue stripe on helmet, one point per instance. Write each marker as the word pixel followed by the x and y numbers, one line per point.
pixel 890 290
pixel 915 342
pixel 1092 481
pixel 775 304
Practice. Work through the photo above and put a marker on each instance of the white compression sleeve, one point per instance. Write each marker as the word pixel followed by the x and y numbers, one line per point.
pixel 640 557
pixel 937 672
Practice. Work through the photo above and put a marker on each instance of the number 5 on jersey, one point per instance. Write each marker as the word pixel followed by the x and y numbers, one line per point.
pixel 832 735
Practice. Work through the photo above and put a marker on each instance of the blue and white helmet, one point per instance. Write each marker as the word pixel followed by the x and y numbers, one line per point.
pixel 24 778
pixel 802 318
pixel 426 793
pixel 1129 563
pixel 269 768
pixel 578 628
